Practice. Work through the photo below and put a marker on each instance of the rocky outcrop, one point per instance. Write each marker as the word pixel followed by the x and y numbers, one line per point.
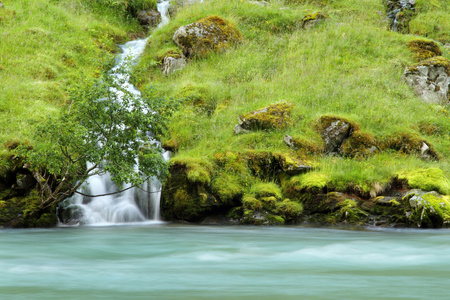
pixel 275 116
pixel 148 18
pixel 430 79
pixel 171 64
pixel 209 34
pixel 313 19
pixel 334 131
pixel 399 13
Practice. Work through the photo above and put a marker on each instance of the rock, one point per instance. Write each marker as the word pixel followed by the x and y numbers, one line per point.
pixel 1 5
pixel 426 209
pixel 313 19
pixel 289 141
pixel 209 34
pixel 171 64
pixel 334 130
pixel 239 130
pixel 275 116
pixel 260 3
pixel 148 18
pixel 430 79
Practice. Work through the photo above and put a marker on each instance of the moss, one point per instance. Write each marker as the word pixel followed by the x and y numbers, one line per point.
pixel 290 210
pixel 325 121
pixel 316 16
pixel 432 179
pixel 174 53
pixel 273 116
pixel 47 220
pixel 197 169
pixel 424 49
pixel 249 202
pixel 311 182
pixel 408 143
pixel 217 35
pixel 360 144
pixel 437 61
pixel 307 146
pixel 227 187
pixel 269 189
pixel 427 210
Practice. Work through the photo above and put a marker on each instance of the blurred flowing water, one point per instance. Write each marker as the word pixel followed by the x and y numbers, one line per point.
pixel 211 262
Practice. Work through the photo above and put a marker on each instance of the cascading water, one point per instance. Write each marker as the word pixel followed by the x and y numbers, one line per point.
pixel 134 204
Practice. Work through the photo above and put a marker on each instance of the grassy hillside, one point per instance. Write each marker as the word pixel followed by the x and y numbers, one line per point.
pixel 349 66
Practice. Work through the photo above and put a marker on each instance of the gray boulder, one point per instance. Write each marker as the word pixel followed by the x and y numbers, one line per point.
pixel 334 131
pixel 430 79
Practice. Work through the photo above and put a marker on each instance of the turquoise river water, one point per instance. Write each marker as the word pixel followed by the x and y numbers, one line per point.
pixel 163 261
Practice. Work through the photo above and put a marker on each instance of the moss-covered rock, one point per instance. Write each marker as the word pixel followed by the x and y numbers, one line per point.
pixel 313 19
pixel 334 130
pixel 426 209
pixel 410 143
pixel 424 49
pixel 187 195
pixel 275 116
pixel 307 147
pixel 359 144
pixel 209 34
pixel 430 79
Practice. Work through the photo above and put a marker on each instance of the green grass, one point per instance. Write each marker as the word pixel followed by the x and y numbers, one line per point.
pixel 45 47
pixel 349 66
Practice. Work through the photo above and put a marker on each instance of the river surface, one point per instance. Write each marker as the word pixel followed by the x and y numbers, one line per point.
pixel 164 261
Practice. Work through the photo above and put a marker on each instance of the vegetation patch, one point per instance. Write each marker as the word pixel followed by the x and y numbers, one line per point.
pixel 424 49
pixel 431 179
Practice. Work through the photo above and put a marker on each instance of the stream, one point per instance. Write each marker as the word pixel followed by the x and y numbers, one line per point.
pixel 169 261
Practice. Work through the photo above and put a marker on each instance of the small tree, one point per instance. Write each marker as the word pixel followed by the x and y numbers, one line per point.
pixel 105 125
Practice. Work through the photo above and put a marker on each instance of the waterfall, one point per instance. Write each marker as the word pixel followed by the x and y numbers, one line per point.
pixel 139 204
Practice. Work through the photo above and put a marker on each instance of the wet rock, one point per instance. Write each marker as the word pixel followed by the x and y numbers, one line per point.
pixel 334 130
pixel 172 64
pixel 275 116
pixel 209 34
pixel 148 18
pixel 430 79
pixel 313 19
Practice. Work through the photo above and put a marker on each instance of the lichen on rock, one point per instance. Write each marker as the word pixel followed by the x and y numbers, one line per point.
pixel 209 34
pixel 275 116
pixel 430 79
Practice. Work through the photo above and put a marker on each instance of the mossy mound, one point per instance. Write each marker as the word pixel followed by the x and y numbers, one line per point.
pixel 187 194
pixel 209 34
pixel 311 20
pixel 424 49
pixel 409 143
pixel 431 179
pixel 304 146
pixel 276 116
pixel 264 205
pixel 359 144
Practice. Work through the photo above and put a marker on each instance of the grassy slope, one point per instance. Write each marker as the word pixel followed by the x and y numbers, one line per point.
pixel 349 66
pixel 45 46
